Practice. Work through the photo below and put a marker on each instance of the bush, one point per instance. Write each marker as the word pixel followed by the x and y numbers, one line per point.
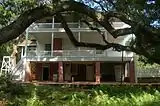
pixel 117 95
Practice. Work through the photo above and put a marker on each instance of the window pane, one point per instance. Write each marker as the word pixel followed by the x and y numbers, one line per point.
pixel 48 47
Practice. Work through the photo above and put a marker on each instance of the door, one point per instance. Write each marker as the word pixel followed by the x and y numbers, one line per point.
pixel 82 72
pixel 45 73
pixel 57 45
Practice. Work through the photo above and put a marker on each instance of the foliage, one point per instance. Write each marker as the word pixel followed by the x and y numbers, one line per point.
pixel 10 9
pixel 143 64
pixel 117 95
pixel 5 49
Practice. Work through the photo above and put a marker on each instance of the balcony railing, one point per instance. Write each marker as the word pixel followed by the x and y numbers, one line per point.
pixel 78 53
pixel 67 53
pixel 55 26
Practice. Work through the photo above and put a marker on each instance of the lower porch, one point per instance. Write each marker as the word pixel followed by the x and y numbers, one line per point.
pixel 80 72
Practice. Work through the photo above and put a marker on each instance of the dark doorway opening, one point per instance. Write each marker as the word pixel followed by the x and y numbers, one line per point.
pixel 78 72
pixel 107 72
pixel 45 73
pixel 82 72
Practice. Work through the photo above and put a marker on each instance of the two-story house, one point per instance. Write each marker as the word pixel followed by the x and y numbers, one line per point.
pixel 48 55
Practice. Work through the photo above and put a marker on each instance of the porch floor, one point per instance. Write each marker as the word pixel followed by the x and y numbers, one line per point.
pixel 85 83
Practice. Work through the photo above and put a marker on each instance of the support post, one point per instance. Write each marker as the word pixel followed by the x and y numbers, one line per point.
pixel 60 72
pixel 52 37
pixel 132 72
pixel 22 52
pixel 28 76
pixel 26 44
pixel 97 72
pixel 79 34
pixel 122 69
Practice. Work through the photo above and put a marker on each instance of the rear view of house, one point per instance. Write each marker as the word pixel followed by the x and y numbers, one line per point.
pixel 48 55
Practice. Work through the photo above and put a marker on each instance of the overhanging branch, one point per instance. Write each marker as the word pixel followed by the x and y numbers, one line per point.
pixel 69 33
pixel 97 29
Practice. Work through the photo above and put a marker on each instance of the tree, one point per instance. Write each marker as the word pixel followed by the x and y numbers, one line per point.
pixel 139 14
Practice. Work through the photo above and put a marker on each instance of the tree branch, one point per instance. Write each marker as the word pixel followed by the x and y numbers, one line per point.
pixel 102 7
pixel 117 47
pixel 28 17
pixel 97 29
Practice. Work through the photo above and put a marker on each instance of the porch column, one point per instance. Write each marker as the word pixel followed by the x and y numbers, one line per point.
pixel 132 72
pixel 51 71
pixel 26 43
pixel 28 76
pixel 79 34
pixel 60 72
pixel 97 72
pixel 52 38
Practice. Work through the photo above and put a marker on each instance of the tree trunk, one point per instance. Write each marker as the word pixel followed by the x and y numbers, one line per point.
pixel 14 56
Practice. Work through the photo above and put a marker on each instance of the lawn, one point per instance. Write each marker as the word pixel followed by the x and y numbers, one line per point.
pixel 103 95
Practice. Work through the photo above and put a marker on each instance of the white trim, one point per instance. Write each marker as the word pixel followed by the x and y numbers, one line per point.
pixel 79 35
pixel 52 37
pixel 62 30
pixel 25 54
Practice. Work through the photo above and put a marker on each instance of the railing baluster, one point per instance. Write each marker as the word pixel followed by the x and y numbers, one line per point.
pixel 90 54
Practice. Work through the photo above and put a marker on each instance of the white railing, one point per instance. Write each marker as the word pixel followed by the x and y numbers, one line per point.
pixel 67 53
pixel 17 71
pixel 78 53
pixel 36 26
pixel 70 25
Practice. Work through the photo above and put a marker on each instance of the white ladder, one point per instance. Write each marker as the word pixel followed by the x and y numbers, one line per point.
pixel 6 65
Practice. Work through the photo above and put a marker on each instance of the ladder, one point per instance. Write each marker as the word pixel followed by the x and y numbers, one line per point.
pixel 6 65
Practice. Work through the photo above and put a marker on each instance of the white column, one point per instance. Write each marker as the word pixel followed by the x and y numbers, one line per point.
pixel 26 43
pixel 22 76
pixel 135 69
pixel 79 34
pixel 38 49
pixel 52 37
pixel 22 52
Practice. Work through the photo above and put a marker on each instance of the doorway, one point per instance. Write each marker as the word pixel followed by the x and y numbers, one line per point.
pixel 78 72
pixel 82 72
pixel 45 73
pixel 57 45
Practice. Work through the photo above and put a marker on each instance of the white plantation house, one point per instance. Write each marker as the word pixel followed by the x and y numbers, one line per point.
pixel 48 55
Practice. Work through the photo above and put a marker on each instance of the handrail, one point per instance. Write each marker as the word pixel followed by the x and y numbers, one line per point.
pixel 75 53
pixel 14 70
pixel 58 25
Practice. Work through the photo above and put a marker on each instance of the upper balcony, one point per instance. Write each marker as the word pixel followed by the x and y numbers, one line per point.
pixel 75 27
pixel 78 55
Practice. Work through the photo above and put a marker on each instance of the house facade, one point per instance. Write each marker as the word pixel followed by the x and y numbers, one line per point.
pixel 48 55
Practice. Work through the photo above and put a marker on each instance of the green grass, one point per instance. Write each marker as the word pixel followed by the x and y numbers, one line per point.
pixel 30 95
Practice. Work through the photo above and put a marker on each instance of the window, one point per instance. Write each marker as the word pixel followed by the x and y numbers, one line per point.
pixel 31 48
pixel 99 51
pixel 47 47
